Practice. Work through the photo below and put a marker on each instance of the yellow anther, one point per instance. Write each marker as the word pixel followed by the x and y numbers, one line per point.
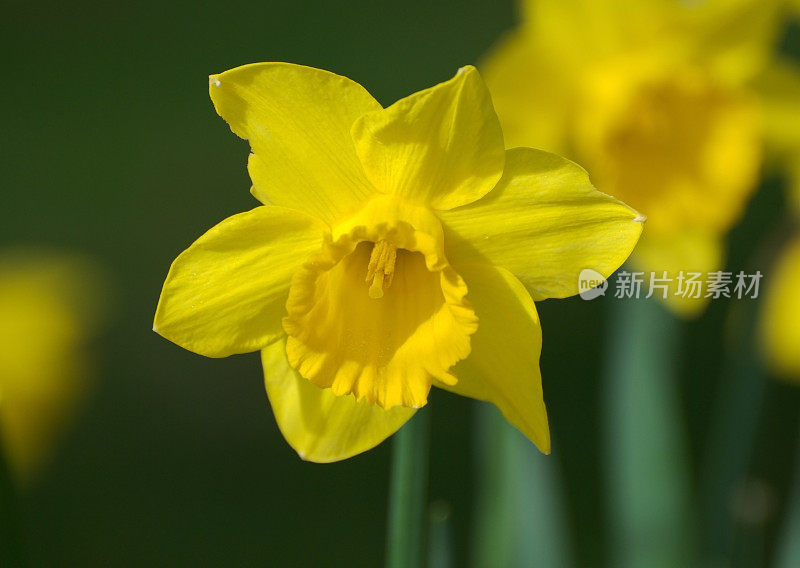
pixel 381 268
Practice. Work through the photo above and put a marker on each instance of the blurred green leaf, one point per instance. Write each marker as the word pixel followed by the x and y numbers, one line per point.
pixel 520 514
pixel 646 449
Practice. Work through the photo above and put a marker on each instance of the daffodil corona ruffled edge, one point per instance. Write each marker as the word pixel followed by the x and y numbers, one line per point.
pixel 397 248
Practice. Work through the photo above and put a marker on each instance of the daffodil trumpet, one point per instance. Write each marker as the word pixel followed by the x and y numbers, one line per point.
pixel 396 249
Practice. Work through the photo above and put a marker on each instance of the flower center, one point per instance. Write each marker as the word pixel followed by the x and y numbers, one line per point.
pixel 385 337
pixel 380 270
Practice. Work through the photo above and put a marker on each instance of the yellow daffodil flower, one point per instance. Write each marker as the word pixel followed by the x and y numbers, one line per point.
pixel 781 315
pixel 779 89
pixel 397 248
pixel 48 312
pixel 654 98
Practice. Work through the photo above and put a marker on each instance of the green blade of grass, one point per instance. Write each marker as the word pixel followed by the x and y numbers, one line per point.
pixel 408 493
pixel 788 555
pixel 440 536
pixel 11 545
pixel 520 515
pixel 734 419
pixel 646 452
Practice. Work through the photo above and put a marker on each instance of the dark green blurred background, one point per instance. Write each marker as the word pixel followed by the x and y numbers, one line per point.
pixel 111 147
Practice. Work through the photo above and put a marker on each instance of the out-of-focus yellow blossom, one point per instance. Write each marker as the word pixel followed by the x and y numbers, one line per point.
pixel 48 311
pixel 781 316
pixel 779 88
pixel 653 97
pixel 389 255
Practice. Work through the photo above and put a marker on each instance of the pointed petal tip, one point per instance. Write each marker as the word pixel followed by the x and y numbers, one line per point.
pixel 640 218
pixel 465 68
pixel 542 444
pixel 456 125
pixel 213 80
pixel 542 441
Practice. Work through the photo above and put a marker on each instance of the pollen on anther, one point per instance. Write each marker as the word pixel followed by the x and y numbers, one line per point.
pixel 380 270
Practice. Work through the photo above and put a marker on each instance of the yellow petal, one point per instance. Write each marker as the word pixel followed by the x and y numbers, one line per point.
pixel 779 90
pixel 441 147
pixel 226 293
pixel 732 38
pixel 503 367
pixel 545 223
pixel 319 425
pixel 735 37
pixel 587 30
pixel 781 316
pixel 529 92
pixel 298 121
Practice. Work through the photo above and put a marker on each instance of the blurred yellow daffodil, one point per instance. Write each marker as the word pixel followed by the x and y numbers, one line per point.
pixel 48 312
pixel 781 315
pixel 779 89
pixel 654 98
pixel 392 253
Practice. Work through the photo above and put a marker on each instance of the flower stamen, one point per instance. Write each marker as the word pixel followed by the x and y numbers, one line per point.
pixel 380 270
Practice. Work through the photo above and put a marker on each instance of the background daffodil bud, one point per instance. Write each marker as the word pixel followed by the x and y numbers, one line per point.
pixel 50 306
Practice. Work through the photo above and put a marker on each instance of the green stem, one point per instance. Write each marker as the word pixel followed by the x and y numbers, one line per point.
pixel 733 426
pixel 520 514
pixel 495 506
pixel 408 493
pixel 649 487
pixel 789 543
pixel 11 547
pixel 440 536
